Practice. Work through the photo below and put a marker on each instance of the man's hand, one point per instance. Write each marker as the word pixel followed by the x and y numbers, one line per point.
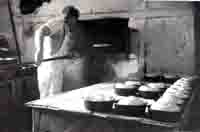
pixel 46 31
pixel 38 59
pixel 38 62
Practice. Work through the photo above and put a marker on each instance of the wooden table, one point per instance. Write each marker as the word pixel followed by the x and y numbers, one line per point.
pixel 66 112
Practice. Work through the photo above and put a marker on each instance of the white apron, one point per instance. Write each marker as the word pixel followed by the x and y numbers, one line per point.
pixel 61 75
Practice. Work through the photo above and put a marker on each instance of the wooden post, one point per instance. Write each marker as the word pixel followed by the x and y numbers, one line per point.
pixel 14 32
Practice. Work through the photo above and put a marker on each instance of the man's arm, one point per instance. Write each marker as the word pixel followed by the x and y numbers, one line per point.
pixel 48 29
pixel 39 40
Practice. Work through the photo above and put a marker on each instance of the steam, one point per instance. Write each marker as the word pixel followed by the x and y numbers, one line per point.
pixel 126 68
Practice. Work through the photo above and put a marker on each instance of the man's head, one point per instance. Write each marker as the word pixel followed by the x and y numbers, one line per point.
pixel 71 14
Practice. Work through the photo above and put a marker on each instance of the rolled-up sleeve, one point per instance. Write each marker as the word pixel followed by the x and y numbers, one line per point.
pixel 55 25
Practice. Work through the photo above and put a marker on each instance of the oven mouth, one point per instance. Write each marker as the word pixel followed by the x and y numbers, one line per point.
pixel 109 35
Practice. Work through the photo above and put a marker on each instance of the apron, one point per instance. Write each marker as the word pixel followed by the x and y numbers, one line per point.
pixel 60 71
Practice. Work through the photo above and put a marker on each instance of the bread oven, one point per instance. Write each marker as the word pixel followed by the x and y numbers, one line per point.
pixel 108 40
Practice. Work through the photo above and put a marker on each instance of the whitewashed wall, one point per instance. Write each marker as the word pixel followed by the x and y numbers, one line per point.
pixel 167 33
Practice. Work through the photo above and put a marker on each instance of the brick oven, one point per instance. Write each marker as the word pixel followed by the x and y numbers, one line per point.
pixel 108 45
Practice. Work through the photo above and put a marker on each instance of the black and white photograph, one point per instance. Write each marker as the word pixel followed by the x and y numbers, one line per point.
pixel 99 66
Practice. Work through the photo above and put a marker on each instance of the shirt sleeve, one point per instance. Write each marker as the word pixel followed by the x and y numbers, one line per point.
pixel 54 25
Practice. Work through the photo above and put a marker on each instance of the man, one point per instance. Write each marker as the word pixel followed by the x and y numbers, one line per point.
pixel 55 44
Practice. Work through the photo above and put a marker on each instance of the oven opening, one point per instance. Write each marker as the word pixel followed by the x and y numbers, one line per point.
pixel 108 34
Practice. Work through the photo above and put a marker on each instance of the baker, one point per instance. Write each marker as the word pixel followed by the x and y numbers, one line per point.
pixel 57 55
